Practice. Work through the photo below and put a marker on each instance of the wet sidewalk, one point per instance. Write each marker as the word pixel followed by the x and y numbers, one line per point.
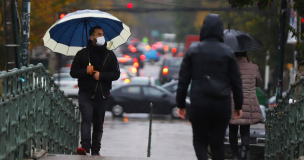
pixel 75 157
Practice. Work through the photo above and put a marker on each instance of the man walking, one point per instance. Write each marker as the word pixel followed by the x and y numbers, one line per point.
pixel 94 88
pixel 212 67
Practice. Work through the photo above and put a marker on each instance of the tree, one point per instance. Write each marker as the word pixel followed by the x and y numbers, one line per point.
pixel 43 16
pixel 184 22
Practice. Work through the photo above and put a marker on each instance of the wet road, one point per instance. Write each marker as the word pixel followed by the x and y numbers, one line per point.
pixel 128 136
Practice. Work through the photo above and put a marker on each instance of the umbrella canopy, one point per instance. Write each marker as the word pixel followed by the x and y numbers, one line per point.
pixel 241 41
pixel 70 34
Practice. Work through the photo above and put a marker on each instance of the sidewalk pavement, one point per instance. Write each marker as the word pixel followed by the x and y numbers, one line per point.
pixel 76 157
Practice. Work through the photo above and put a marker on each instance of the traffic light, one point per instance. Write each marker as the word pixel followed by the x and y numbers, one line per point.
pixel 60 15
pixel 129 5
pixel 302 28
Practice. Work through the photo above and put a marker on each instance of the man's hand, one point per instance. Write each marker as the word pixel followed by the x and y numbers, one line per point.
pixel 181 112
pixel 237 114
pixel 89 69
pixel 96 75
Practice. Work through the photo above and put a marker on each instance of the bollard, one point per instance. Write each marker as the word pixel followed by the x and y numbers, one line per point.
pixel 150 130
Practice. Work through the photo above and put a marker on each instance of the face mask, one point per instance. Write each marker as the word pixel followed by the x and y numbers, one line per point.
pixel 100 41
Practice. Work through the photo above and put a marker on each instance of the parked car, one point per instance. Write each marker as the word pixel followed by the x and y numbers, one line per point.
pixel 136 98
pixel 272 100
pixel 172 87
pixel 145 80
pixel 170 69
pixel 152 56
pixel 68 84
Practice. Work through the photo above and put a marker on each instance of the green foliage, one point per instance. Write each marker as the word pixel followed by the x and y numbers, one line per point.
pixel 265 28
pixel 184 21
pixel 262 4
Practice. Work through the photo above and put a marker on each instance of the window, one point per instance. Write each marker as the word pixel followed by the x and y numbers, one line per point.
pixel 176 62
pixel 131 90
pixel 152 92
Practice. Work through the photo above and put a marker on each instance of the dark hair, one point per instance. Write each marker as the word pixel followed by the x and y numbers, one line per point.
pixel 240 54
pixel 92 30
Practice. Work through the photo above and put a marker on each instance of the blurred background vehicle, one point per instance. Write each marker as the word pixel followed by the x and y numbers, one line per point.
pixel 145 80
pixel 170 69
pixel 66 83
pixel 152 56
pixel 172 87
pixel 272 100
pixel 123 79
pixel 136 98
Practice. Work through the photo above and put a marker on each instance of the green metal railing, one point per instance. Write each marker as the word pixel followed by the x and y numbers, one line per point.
pixel 285 125
pixel 34 113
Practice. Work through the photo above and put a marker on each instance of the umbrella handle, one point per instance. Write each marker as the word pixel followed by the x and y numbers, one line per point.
pixel 92 69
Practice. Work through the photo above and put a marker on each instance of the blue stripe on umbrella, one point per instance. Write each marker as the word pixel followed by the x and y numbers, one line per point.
pixel 72 32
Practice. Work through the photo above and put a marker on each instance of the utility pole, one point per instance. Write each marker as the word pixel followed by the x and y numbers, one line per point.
pixel 25 33
pixel 11 43
pixel 280 61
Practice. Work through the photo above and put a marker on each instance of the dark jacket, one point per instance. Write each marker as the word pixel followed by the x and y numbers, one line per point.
pixel 220 65
pixel 107 66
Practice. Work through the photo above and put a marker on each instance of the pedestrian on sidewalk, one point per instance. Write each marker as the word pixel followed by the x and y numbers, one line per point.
pixel 212 67
pixel 94 88
pixel 252 113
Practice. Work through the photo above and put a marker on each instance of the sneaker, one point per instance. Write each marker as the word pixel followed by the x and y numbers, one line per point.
pixel 84 150
pixel 95 152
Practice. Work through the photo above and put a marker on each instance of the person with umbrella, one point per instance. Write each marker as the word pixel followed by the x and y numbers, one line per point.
pixel 212 67
pixel 240 42
pixel 91 34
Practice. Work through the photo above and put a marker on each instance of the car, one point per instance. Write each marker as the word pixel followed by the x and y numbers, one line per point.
pixel 172 87
pixel 66 83
pixel 272 100
pixel 136 98
pixel 170 69
pixel 123 79
pixel 145 80
pixel 152 56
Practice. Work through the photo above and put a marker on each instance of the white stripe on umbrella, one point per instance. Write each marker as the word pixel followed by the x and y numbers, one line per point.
pixel 72 50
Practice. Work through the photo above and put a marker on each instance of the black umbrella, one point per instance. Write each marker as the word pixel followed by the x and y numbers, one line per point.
pixel 241 41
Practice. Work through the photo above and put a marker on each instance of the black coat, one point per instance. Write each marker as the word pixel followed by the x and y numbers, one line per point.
pixel 220 64
pixel 106 64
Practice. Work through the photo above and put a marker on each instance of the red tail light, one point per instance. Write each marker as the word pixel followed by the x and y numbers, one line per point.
pixel 142 57
pixel 271 105
pixel 126 80
pixel 126 56
pixel 165 71
pixel 135 60
pixel 133 49
pixel 135 64
pixel 76 86
pixel 133 70
pixel 123 74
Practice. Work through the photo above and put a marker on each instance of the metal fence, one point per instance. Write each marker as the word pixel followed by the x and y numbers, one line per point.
pixel 34 113
pixel 285 126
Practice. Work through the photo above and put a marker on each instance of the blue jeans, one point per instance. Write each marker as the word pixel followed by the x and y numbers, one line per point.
pixel 92 111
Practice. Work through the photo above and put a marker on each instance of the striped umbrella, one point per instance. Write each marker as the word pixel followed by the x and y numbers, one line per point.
pixel 70 34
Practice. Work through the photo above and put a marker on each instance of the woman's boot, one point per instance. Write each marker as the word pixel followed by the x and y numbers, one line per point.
pixel 235 155
pixel 244 151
